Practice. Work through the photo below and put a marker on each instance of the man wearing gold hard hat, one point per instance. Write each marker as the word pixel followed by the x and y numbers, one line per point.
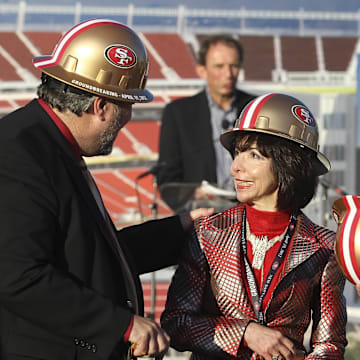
pixel 69 285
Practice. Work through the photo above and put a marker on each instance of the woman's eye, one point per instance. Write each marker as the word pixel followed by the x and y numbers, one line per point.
pixel 255 155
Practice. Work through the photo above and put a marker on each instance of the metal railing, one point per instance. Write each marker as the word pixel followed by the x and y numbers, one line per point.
pixel 23 16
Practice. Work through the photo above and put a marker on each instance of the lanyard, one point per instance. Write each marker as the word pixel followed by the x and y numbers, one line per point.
pixel 256 298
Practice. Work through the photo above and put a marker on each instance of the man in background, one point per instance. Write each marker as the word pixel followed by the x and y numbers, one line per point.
pixel 189 149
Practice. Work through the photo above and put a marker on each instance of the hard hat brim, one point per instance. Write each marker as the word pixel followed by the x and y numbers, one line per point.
pixel 88 85
pixel 321 161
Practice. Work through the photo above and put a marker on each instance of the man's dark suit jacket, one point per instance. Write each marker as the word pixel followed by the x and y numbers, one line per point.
pixel 186 150
pixel 63 293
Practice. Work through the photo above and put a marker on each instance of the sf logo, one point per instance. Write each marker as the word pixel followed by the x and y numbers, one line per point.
pixel 303 114
pixel 306 116
pixel 120 56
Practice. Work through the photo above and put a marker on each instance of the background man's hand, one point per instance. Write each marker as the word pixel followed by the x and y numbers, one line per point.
pixel 200 194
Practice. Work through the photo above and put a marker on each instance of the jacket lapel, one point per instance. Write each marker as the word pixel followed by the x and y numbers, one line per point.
pixel 303 246
pixel 204 128
pixel 220 240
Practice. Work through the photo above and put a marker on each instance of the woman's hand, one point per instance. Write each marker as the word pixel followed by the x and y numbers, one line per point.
pixel 269 343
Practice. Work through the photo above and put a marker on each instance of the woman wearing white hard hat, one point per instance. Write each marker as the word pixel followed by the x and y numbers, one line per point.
pixel 254 277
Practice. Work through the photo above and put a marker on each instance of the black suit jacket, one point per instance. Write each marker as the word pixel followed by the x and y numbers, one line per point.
pixel 186 150
pixel 63 293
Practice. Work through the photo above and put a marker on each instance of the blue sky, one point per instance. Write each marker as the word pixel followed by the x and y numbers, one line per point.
pixel 323 5
pixel 347 27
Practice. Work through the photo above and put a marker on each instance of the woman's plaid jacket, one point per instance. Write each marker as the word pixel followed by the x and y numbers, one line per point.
pixel 208 307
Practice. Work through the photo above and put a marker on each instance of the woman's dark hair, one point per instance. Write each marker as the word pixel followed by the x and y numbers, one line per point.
pixel 293 167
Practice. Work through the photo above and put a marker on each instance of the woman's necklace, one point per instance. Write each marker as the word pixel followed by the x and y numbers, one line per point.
pixel 258 294
pixel 260 245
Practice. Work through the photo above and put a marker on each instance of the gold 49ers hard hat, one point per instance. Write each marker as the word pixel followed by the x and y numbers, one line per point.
pixel 280 115
pixel 103 57
pixel 346 212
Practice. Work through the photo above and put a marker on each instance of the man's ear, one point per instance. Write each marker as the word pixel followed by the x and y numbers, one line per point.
pixel 99 106
pixel 201 71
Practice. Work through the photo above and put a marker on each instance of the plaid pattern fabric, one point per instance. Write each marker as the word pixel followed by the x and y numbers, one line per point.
pixel 208 307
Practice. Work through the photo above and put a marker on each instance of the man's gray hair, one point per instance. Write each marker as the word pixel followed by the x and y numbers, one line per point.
pixel 64 97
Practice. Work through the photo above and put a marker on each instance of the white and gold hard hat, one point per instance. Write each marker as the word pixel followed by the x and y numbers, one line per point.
pixel 103 57
pixel 346 212
pixel 280 115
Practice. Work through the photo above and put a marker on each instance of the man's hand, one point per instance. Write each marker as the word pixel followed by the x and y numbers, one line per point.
pixel 358 288
pixel 148 339
pixel 197 213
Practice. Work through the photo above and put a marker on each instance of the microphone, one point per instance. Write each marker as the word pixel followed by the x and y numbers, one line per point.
pixel 216 191
pixel 225 124
pixel 153 170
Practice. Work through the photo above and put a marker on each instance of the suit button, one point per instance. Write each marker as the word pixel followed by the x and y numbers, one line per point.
pixel 129 304
pixel 76 341
pixel 93 348
pixel 82 343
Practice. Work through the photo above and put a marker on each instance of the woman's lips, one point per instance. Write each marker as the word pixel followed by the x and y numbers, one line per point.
pixel 243 184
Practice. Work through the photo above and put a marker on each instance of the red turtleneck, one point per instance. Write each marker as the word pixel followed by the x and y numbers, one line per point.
pixel 270 224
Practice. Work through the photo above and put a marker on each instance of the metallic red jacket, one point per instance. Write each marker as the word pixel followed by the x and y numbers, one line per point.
pixel 208 306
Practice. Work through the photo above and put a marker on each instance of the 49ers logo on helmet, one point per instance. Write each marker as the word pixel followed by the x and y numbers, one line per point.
pixel 303 114
pixel 120 56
